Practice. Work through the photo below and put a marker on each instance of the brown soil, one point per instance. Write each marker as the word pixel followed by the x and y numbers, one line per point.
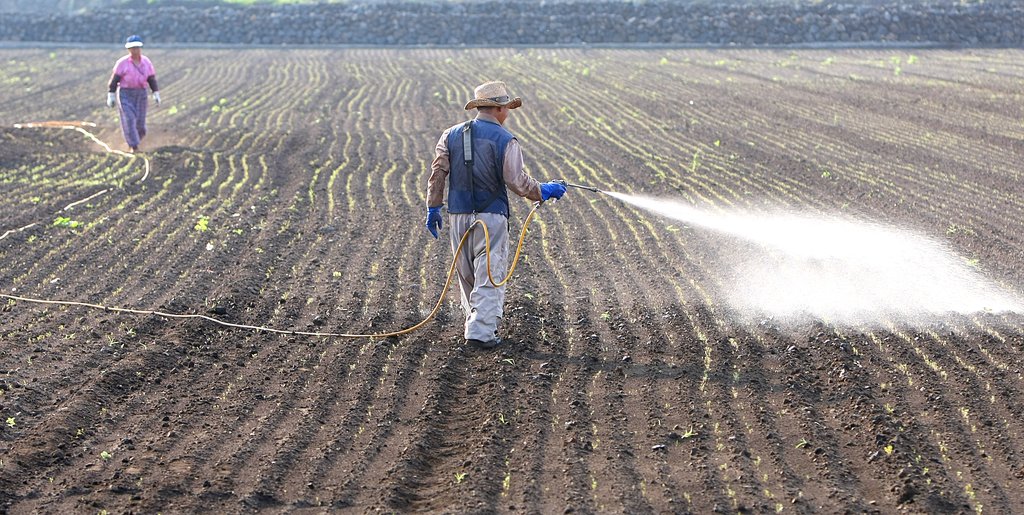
pixel 626 384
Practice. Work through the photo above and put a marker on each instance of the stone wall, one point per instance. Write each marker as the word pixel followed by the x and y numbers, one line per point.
pixel 989 23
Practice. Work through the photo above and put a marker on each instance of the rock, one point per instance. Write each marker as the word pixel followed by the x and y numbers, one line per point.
pixel 436 22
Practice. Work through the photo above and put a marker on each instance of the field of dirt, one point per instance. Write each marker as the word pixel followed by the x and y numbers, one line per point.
pixel 287 190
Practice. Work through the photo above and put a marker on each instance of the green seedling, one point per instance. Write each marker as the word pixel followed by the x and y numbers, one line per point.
pixel 10 421
pixel 106 455
pixel 459 476
pixel 695 163
pixel 803 443
pixel 203 224
pixel 64 221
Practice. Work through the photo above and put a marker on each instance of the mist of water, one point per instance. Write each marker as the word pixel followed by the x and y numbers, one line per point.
pixel 837 270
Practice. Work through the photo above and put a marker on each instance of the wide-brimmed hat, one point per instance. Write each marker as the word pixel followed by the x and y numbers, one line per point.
pixel 493 94
pixel 133 41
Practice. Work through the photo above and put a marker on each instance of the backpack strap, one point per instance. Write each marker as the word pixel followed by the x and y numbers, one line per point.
pixel 467 144
pixel 467 155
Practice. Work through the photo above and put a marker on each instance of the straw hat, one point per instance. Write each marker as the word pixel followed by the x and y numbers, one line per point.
pixel 493 94
pixel 133 41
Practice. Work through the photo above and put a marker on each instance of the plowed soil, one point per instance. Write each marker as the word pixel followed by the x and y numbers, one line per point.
pixel 287 191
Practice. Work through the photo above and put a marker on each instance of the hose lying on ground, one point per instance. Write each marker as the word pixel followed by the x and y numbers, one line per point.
pixel 433 312
pixel 437 306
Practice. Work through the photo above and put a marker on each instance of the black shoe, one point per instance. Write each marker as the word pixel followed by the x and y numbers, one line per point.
pixel 480 344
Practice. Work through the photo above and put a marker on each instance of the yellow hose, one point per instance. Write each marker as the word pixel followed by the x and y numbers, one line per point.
pixel 433 312
pixel 78 126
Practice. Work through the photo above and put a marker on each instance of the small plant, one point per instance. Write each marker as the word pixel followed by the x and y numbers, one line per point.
pixel 10 421
pixel 803 443
pixel 959 229
pixel 889 450
pixel 459 476
pixel 106 455
pixel 64 221
pixel 203 224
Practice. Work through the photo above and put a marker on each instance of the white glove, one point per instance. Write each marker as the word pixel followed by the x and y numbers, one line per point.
pixel 111 99
pixel 156 97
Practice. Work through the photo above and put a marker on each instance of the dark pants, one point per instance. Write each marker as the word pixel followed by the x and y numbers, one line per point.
pixel 133 115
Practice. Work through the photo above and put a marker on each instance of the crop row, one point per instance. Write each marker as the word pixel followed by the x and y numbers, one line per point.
pixel 288 190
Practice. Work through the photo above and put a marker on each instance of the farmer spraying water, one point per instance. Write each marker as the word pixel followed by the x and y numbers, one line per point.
pixel 481 160
pixel 127 88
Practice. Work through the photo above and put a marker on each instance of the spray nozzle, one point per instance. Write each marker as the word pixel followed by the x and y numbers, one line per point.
pixel 580 186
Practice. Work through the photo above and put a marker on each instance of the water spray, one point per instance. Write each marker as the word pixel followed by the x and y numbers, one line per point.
pixel 791 242
pixel 835 269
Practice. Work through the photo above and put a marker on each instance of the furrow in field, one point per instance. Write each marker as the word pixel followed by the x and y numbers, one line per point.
pixel 626 383
pixel 901 138
pixel 921 391
pixel 637 446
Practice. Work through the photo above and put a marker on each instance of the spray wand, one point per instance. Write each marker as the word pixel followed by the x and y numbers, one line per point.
pixel 580 186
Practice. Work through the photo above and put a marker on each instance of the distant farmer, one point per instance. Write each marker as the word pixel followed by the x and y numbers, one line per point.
pixel 131 74
pixel 479 159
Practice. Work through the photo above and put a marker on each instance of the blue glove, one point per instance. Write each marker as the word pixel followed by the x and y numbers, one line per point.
pixel 434 220
pixel 551 190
